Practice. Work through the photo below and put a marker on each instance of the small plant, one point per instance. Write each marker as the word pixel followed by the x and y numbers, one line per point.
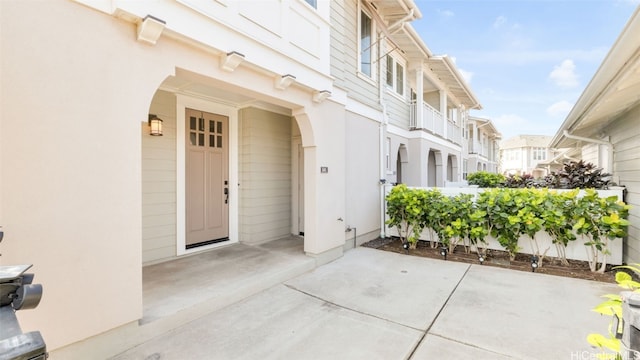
pixel 598 221
pixel 613 307
pixel 503 222
pixel 406 207
pixel 531 203
pixel 485 179
pixel 581 175
pixel 523 181
pixel 435 207
pixel 556 216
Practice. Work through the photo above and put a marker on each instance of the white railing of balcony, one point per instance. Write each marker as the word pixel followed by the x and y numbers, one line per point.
pixel 454 133
pixel 432 119
pixel 413 116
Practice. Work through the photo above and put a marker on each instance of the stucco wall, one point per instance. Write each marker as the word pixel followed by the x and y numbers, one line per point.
pixel 71 114
pixel 363 168
pixel 159 182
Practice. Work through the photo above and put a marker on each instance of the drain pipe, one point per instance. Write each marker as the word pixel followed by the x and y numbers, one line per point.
pixel 594 141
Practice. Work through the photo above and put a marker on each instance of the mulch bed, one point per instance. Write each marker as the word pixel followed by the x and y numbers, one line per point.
pixel 575 269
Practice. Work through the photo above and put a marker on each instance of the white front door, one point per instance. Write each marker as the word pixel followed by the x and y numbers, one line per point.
pixel 207 178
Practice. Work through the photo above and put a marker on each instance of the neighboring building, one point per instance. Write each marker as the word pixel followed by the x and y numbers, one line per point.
pixel 278 117
pixel 483 146
pixel 604 124
pixel 521 154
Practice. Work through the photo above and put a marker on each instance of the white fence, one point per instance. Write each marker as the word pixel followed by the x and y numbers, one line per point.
pixel 575 250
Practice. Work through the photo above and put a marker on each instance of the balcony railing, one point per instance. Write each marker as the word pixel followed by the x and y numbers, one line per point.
pixel 431 119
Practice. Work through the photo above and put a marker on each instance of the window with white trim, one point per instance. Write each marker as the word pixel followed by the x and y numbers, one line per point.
pixel 539 153
pixel 366 39
pixel 395 75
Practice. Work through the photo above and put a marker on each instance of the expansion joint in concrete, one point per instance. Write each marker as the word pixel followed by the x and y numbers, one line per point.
pixel 349 309
pixel 439 311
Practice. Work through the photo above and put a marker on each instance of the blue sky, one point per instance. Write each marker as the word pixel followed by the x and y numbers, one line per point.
pixel 527 61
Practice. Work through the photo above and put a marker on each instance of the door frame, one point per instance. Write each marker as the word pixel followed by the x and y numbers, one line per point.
pixel 297 185
pixel 182 103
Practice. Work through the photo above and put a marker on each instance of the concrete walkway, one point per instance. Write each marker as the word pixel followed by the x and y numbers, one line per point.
pixel 372 304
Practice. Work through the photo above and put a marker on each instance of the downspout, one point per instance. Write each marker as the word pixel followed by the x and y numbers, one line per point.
pixel 381 138
pixel 594 141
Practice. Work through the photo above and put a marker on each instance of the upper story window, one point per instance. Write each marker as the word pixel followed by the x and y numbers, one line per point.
pixel 539 153
pixel 395 75
pixel 313 3
pixel 512 154
pixel 366 44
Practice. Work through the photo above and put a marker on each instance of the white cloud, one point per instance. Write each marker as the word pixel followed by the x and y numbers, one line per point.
pixel 559 109
pixel 564 75
pixel 500 20
pixel 467 75
pixel 508 121
pixel 446 13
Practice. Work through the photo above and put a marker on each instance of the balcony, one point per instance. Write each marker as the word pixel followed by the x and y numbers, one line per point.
pixel 433 123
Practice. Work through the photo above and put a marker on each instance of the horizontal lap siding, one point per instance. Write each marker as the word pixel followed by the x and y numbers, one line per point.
pixel 624 134
pixel 265 175
pixel 159 183
pixel 344 56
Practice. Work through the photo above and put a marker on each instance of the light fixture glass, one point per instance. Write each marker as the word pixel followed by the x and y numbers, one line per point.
pixel 155 125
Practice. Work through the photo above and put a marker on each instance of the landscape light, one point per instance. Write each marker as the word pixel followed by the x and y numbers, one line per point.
pixel 481 259
pixel 405 246
pixel 443 252
pixel 534 263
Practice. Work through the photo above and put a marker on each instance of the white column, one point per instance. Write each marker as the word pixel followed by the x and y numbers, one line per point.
pixel 419 97
pixel 443 111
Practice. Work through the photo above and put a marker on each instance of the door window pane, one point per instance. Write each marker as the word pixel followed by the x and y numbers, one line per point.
pixel 192 137
pixel 219 127
pixel 192 123
pixel 200 139
pixel 212 126
pixel 219 141
pixel 201 124
pixel 212 141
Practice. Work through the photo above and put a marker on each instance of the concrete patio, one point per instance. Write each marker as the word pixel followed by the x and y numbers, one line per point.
pixel 372 304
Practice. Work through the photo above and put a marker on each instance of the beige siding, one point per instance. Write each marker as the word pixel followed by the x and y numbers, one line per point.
pixel 265 175
pixel 159 183
pixel 624 135
pixel 344 53
pixel 590 154
pixel 337 42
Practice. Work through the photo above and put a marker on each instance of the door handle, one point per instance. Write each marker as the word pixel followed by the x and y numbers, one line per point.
pixel 226 195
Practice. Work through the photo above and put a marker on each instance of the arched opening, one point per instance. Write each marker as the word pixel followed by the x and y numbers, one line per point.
pixel 401 161
pixel 452 168
pixel 432 169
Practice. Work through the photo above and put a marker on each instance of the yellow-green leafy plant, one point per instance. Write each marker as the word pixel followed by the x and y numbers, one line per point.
pixel 599 221
pixel 610 344
pixel 406 207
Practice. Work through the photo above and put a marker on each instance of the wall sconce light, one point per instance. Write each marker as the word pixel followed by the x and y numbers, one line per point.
pixel 284 81
pixel 320 96
pixel 155 125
